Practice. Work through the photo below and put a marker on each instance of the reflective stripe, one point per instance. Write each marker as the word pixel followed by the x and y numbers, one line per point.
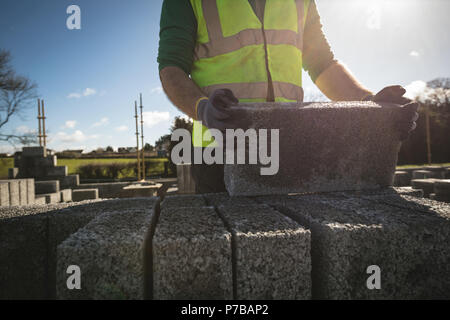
pixel 218 44
pixel 258 90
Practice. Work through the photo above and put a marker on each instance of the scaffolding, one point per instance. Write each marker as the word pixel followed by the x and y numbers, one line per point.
pixel 42 136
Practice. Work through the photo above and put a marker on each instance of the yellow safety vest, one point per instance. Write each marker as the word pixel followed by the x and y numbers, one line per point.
pixel 235 50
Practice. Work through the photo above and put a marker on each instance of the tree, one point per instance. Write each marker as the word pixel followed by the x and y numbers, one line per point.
pixel 16 94
pixel 148 147
pixel 433 124
pixel 109 149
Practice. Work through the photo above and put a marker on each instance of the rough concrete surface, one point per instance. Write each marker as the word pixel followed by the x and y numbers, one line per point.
pixel 50 186
pixel 84 194
pixel 65 195
pixel 272 253
pixel 402 179
pixel 24 234
pixel 329 147
pixel 427 185
pixel 4 194
pixel 400 234
pixel 110 251
pixel 180 201
pixel 191 252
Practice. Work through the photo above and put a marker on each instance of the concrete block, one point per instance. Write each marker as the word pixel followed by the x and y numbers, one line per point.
pixel 51 198
pixel 110 251
pixel 57 171
pixel 358 151
pixel 137 190
pixel 30 191
pixel 84 194
pixel 25 263
pixel 34 152
pixel 181 201
pixel 186 182
pixel 105 190
pixel 402 179
pixel 191 255
pixel 4 194
pixel 64 222
pixel 223 199
pixel 23 254
pixel 399 234
pixel 43 187
pixel 427 185
pixel 272 253
pixel 69 182
pixel 66 195
pixel 14 192
pixel 23 192
pixel 423 174
pixel 13 173
pixel 442 187
pixel 40 200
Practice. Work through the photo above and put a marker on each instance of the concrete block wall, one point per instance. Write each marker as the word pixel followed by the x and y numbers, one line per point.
pixel 16 192
pixel 220 247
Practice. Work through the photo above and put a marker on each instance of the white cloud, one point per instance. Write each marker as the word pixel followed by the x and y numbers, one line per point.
pixel 121 128
pixel 69 124
pixel 414 53
pixel 156 90
pixel 86 92
pixel 415 89
pixel 89 92
pixel 24 130
pixel 102 122
pixel 152 118
pixel 74 95
pixel 77 136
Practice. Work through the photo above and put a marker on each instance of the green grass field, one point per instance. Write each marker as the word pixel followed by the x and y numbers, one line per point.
pixel 157 164
pixel 157 167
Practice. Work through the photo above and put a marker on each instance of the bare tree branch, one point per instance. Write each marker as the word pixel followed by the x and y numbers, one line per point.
pixel 16 95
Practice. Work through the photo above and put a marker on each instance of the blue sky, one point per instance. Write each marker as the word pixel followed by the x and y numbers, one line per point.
pixel 90 78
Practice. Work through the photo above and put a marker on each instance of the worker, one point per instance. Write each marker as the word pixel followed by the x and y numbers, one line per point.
pixel 216 53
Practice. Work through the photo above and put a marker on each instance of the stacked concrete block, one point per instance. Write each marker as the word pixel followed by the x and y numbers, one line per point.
pixel 84 194
pixel 28 236
pixel 40 200
pixel 272 253
pixel 40 164
pixel 4 194
pixel 394 234
pixel 13 173
pixel 427 185
pixel 359 152
pixel 110 252
pixel 16 192
pixel 44 187
pixel 186 182
pixel 105 190
pixel 422 174
pixel 191 252
pixel 66 195
pixel 57 171
pixel 442 190
pixel 402 179
pixel 70 181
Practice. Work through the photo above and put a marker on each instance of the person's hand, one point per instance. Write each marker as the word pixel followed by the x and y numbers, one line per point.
pixel 394 94
pixel 215 112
